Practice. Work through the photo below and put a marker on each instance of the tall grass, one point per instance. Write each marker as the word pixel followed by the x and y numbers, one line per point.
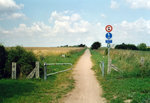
pixel 129 62
pixel 131 84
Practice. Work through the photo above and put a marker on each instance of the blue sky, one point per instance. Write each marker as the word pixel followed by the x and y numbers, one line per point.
pixel 61 22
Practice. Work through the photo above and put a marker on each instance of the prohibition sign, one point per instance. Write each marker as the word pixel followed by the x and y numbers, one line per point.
pixel 108 28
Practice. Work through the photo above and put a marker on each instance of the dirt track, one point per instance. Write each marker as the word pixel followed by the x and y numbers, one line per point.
pixel 87 89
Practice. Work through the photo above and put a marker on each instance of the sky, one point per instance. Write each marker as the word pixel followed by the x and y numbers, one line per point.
pixel 50 23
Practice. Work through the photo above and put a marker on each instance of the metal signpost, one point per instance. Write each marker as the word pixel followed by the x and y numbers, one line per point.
pixel 108 28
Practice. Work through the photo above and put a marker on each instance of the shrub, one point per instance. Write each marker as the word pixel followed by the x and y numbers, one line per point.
pixel 142 46
pixel 3 55
pixel 25 61
pixel 82 45
pixel 126 46
pixel 96 45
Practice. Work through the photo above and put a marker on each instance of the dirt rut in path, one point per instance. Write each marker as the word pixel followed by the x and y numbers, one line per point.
pixel 87 89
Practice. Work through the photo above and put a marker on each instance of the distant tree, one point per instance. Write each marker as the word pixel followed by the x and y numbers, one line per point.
pixel 148 49
pixel 64 46
pixel 142 46
pixel 132 47
pixel 81 45
pixel 96 45
pixel 3 55
pixel 126 46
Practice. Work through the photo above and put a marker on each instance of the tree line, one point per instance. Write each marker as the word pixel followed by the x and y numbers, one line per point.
pixel 141 46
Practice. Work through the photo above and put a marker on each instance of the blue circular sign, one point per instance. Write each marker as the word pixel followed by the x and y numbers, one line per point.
pixel 108 35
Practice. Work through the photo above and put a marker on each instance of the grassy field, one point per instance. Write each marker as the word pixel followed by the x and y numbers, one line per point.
pixel 51 50
pixel 130 85
pixel 40 91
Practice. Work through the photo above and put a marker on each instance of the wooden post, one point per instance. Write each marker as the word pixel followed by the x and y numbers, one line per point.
pixel 45 70
pixel 103 69
pixel 109 66
pixel 37 69
pixel 13 74
pixel 109 60
pixel 142 61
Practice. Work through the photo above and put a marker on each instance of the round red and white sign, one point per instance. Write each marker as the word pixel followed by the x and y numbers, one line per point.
pixel 108 28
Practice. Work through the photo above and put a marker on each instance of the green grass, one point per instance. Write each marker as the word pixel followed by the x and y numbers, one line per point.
pixel 128 85
pixel 40 91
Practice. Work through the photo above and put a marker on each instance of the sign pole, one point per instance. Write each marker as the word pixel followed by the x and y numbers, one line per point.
pixel 109 28
pixel 108 70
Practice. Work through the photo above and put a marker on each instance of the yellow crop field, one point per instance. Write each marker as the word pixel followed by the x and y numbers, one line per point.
pixel 51 50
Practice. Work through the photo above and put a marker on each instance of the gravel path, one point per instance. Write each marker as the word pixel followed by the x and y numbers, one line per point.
pixel 87 88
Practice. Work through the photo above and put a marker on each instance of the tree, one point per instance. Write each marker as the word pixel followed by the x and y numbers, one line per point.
pixel 126 46
pixel 96 45
pixel 3 55
pixel 142 46
pixel 81 45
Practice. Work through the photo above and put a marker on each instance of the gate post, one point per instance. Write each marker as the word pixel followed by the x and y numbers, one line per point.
pixel 103 71
pixel 142 61
pixel 45 70
pixel 13 74
pixel 37 70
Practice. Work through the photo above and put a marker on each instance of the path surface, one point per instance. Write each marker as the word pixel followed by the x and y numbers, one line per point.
pixel 87 89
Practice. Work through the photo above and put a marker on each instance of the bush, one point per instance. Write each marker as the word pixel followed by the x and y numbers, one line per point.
pixel 96 45
pixel 142 46
pixel 25 61
pixel 82 45
pixel 126 46
pixel 3 55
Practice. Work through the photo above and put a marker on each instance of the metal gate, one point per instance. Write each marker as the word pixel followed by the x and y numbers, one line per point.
pixel 48 64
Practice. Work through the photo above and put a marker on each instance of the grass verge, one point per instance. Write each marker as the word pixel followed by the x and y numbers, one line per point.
pixel 121 87
pixel 40 91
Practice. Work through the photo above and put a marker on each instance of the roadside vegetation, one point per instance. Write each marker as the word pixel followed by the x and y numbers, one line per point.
pixel 141 47
pixel 25 61
pixel 132 83
pixel 38 90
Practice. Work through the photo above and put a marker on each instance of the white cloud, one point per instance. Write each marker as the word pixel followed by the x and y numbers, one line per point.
pixel 65 30
pixel 132 32
pixel 114 4
pixel 139 3
pixel 65 22
pixel 10 10
pixel 16 16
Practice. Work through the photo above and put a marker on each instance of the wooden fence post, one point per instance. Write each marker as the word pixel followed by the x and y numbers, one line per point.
pixel 142 61
pixel 103 71
pixel 13 74
pixel 37 70
pixel 109 66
